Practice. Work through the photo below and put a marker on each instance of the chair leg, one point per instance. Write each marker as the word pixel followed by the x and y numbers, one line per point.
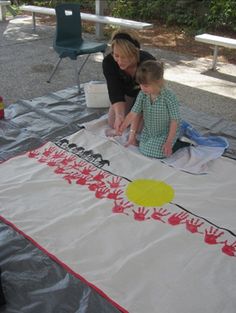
pixel 79 71
pixel 54 70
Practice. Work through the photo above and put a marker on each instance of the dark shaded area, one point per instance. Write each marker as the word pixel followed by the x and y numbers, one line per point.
pixel 2 296
pixel 218 75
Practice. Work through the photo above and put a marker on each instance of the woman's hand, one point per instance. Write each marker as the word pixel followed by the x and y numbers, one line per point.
pixel 119 120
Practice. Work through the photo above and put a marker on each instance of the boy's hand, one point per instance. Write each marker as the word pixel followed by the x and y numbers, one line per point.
pixel 167 148
pixel 127 121
pixel 124 125
pixel 132 140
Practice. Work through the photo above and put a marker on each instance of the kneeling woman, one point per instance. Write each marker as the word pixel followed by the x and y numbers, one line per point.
pixel 119 68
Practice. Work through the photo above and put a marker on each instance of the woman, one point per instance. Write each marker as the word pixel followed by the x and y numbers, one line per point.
pixel 119 68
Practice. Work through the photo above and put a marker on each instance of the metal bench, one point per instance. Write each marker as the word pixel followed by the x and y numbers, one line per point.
pixel 99 19
pixel 216 41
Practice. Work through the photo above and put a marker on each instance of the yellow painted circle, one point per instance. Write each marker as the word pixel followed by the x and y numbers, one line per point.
pixel 149 192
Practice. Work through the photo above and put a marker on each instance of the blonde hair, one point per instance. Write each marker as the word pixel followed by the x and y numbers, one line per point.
pixel 149 71
pixel 127 41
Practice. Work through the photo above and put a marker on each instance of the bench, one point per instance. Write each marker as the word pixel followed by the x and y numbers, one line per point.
pixel 3 5
pixel 216 41
pixel 86 17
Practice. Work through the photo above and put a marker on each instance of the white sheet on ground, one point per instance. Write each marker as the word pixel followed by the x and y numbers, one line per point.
pixel 177 257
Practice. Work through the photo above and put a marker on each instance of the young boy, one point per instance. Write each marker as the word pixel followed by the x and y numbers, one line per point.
pixel 159 109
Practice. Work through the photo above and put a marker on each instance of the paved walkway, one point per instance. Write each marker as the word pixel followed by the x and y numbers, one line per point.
pixel 27 58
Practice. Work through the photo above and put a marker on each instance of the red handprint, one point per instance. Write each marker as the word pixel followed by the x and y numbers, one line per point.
pixel 115 194
pixel 193 225
pixel 59 154
pixel 53 162
pixel 68 160
pixel 43 159
pixel 229 249
pixel 101 175
pixel 211 236
pixel 83 180
pixel 95 186
pixel 70 177
pixel 33 154
pixel 140 215
pixel 87 170
pixel 77 166
pixel 60 170
pixel 121 207
pixel 49 151
pixel 177 218
pixel 101 192
pixel 115 182
pixel 157 215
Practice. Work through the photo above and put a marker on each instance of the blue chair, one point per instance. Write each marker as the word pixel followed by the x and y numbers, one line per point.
pixel 68 41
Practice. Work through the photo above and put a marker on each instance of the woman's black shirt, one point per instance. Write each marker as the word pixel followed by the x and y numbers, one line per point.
pixel 120 83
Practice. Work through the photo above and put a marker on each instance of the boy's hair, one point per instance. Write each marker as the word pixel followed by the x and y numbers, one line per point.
pixel 128 41
pixel 149 71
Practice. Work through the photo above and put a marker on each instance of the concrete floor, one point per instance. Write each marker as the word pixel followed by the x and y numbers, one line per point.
pixel 27 58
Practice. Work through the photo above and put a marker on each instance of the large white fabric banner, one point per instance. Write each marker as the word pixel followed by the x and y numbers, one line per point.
pixel 153 238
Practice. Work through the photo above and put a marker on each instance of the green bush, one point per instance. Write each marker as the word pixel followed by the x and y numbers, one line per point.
pixel 85 4
pixel 198 16
pixel 222 13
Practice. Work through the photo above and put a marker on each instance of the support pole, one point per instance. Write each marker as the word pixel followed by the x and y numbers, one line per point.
pixel 4 7
pixel 215 58
pixel 2 13
pixel 99 10
pixel 34 21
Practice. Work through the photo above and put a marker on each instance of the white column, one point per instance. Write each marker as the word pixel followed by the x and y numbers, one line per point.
pixel 3 10
pixel 99 10
pixel 215 58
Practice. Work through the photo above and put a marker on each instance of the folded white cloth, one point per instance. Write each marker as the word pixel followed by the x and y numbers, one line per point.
pixel 194 160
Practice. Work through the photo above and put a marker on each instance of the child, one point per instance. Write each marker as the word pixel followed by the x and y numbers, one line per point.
pixel 159 108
